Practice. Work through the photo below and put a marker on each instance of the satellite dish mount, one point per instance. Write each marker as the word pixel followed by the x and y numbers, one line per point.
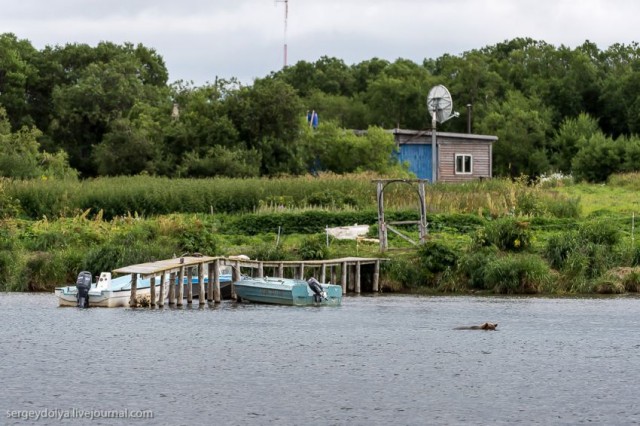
pixel 440 106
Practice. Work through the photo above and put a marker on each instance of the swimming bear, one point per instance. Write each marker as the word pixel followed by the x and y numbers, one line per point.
pixel 485 326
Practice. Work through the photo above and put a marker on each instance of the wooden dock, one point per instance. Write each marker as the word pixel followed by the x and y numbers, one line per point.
pixel 351 270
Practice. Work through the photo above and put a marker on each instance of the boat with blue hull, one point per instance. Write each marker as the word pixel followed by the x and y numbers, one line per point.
pixel 287 291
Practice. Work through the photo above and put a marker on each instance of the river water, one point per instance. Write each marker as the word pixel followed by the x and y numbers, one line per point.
pixel 387 360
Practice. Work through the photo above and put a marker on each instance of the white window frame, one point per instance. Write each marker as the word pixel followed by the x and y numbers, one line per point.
pixel 464 172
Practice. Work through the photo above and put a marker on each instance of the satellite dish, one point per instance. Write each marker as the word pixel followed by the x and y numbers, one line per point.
pixel 439 102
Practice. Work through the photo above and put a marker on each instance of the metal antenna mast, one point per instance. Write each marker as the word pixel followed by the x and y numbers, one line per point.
pixel 286 18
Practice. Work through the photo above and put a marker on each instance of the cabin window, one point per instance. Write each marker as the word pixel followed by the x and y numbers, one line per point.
pixel 464 164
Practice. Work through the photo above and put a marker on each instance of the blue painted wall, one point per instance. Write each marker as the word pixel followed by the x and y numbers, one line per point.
pixel 419 158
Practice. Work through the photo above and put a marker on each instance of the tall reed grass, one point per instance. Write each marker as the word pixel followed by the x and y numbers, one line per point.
pixel 151 196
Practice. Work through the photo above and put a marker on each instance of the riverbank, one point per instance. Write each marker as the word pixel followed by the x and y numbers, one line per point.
pixel 499 237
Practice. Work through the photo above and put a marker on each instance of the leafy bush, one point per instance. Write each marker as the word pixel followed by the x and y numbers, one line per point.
pixel 400 273
pixel 515 274
pixel 558 248
pixel 602 231
pixel 436 257
pixel 507 234
pixel 313 247
pixel 268 251
pixel 12 264
pixel 331 198
pixel 472 265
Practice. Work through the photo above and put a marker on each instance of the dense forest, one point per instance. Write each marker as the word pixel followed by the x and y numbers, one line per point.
pixel 78 110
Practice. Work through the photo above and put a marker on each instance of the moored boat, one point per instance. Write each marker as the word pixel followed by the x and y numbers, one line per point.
pixel 110 292
pixel 287 291
pixel 106 292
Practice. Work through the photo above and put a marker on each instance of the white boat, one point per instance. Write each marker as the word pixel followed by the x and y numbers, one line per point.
pixel 109 292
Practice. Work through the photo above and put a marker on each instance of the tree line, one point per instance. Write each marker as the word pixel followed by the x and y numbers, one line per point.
pixel 110 110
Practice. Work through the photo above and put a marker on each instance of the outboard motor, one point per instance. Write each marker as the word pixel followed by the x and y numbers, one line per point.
pixel 83 285
pixel 315 286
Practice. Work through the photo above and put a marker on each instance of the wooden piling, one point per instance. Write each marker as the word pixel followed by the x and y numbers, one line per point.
pixel 236 276
pixel 189 285
pixel 280 270
pixel 260 269
pixel 180 287
pixel 210 282
pixel 163 284
pixel 376 277
pixel 202 297
pixel 172 288
pixel 133 301
pixel 358 283
pixel 343 281
pixel 216 281
pixel 152 289
pixel 301 276
pixel 323 273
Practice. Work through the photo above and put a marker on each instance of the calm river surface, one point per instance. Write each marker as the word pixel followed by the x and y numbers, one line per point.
pixel 388 360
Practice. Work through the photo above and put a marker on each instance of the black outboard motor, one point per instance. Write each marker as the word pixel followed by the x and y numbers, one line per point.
pixel 83 285
pixel 315 286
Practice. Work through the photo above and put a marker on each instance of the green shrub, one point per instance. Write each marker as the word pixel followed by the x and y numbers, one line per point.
pixel 563 207
pixel 601 231
pixel 589 260
pixel 331 198
pixel 631 281
pixel 12 264
pixel 436 257
pixel 558 248
pixel 506 234
pixel 314 247
pixel 517 274
pixel 43 271
pixel 472 265
pixel 401 273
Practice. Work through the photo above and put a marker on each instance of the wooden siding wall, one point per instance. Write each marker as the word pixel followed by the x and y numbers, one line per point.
pixel 481 153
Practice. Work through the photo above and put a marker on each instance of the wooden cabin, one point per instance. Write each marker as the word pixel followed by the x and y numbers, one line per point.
pixel 461 157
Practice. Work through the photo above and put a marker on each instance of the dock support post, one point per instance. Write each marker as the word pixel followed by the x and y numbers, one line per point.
pixel 343 281
pixel 152 289
pixel 280 270
pixel 189 285
pixel 133 301
pixel 323 273
pixel 163 287
pixel 172 288
pixel 216 281
pixel 203 295
pixel 301 271
pixel 376 277
pixel 210 282
pixel 260 269
pixel 236 277
pixel 358 277
pixel 180 286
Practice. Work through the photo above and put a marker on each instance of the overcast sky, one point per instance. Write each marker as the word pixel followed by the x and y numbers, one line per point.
pixel 202 39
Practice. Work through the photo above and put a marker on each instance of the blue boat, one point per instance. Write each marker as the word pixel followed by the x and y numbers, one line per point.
pixel 287 291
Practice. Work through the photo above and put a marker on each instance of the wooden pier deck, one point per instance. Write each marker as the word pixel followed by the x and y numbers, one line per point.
pixel 350 269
